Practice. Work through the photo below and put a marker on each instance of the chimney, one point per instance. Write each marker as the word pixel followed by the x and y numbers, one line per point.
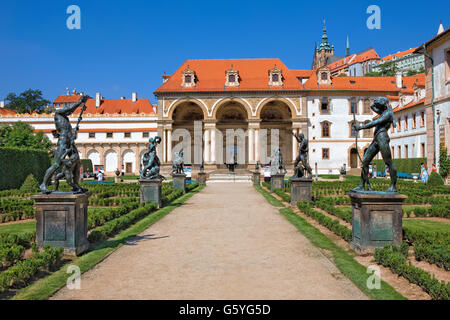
pixel 122 98
pixel 2 104
pixel 134 97
pixel 98 98
pixel 68 91
pixel 398 79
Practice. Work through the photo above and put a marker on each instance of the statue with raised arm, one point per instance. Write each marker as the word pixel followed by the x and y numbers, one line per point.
pixel 150 161
pixel 380 143
pixel 302 157
pixel 66 148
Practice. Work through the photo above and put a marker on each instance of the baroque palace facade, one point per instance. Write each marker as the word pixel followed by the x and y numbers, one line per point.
pixel 256 94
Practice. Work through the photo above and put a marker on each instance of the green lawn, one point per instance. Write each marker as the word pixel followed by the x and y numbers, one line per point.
pixel 427 225
pixel 18 228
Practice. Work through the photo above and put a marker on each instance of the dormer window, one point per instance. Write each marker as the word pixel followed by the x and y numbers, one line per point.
pixel 324 76
pixel 275 77
pixel 189 78
pixel 232 77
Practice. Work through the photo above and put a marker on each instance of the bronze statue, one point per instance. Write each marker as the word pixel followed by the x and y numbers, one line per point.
pixel 380 143
pixel 178 163
pixel 150 161
pixel 302 157
pixel 66 148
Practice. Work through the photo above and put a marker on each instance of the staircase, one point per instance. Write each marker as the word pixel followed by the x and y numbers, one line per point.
pixel 224 176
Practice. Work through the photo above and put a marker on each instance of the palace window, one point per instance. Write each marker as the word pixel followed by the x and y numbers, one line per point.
pixel 188 78
pixel 231 77
pixel 422 150
pixel 353 106
pixel 422 119
pixel 366 107
pixel 127 134
pixel 414 121
pixel 353 132
pixel 325 154
pixel 399 151
pixel 367 133
pixel 399 125
pixel 324 106
pixel 406 123
pixel 323 76
pixel 145 134
pixel 91 135
pixel 275 77
pixel 392 151
pixel 326 129
pixel 406 151
pixel 109 134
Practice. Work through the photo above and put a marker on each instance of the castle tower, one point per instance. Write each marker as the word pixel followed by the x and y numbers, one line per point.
pixel 324 50
pixel 347 49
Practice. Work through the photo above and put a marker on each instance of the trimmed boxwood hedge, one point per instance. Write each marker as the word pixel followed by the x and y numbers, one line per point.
pixel 410 165
pixel 17 164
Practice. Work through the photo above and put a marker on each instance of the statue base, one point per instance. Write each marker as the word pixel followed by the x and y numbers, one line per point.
pixel 301 190
pixel 257 178
pixel 151 191
pixel 342 177
pixel 202 178
pixel 116 179
pixel 276 182
pixel 377 220
pixel 61 221
pixel 179 181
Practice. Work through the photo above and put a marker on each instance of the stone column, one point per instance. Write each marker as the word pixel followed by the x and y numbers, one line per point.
pixel 164 142
pixel 251 145
pixel 294 144
pixel 207 150
pixel 137 159
pixel 169 144
pixel 213 144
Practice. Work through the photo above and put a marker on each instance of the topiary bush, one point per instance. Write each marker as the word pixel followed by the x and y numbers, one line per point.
pixel 435 180
pixel 30 184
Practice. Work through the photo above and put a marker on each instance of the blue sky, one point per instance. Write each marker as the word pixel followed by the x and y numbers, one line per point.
pixel 126 46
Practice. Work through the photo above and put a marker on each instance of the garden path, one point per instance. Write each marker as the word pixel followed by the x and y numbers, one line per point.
pixel 226 242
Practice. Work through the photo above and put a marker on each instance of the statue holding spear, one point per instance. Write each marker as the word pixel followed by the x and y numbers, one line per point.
pixel 380 143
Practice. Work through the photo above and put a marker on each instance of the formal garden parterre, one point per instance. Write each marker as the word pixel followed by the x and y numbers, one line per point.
pixel 112 209
pixel 426 226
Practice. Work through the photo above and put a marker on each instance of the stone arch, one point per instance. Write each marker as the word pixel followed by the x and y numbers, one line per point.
pixel 265 101
pixel 349 155
pixel 181 101
pixel 223 102
pixel 129 156
pixel 111 160
pixel 95 157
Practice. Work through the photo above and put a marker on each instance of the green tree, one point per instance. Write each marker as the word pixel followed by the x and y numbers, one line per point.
pixel 388 69
pixel 21 135
pixel 27 102
pixel 444 162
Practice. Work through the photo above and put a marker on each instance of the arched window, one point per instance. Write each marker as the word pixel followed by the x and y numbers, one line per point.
pixel 326 129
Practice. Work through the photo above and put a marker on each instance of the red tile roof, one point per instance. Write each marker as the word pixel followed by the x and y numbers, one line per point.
pixel 370 54
pixel 398 55
pixel 253 73
pixel 7 112
pixel 111 106
pixel 409 105
pixel 68 98
pixel 106 130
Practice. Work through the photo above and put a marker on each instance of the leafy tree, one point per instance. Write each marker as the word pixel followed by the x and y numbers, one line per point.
pixel 27 102
pixel 342 75
pixel 444 162
pixel 388 69
pixel 414 72
pixel 373 74
pixel 21 135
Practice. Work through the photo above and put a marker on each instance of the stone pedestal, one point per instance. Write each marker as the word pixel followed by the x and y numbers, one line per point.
pixel 276 182
pixel 342 177
pixel 179 181
pixel 117 179
pixel 301 190
pixel 202 177
pixel 151 191
pixel 377 220
pixel 61 221
pixel 257 178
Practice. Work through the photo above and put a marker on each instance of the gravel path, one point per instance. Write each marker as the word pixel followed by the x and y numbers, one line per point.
pixel 227 242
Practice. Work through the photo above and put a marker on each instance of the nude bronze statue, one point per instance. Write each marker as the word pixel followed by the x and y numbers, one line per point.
pixel 150 161
pixel 66 148
pixel 302 157
pixel 380 143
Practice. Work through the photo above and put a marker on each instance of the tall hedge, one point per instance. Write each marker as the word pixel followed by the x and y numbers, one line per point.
pixel 87 165
pixel 16 164
pixel 411 165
